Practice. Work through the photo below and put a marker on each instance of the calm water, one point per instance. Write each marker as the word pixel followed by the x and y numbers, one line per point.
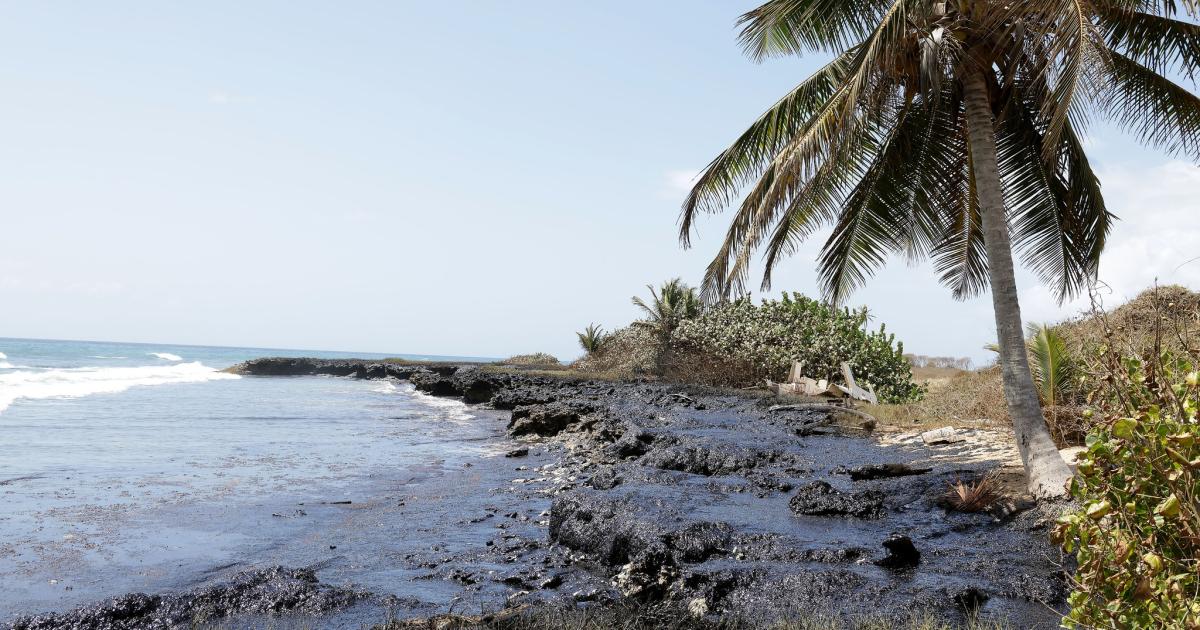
pixel 130 467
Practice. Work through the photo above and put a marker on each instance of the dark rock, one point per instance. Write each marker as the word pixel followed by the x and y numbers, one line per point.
pixel 902 554
pixel 970 599
pixel 820 499
pixel 883 471
pixel 477 386
pixel 268 591
pixel 699 458
pixel 544 420
pixel 522 396
pixel 357 368
pixel 633 443
pixel 605 479
pixel 603 527
pixel 700 541
pixel 518 452
pixel 552 582
pixel 434 384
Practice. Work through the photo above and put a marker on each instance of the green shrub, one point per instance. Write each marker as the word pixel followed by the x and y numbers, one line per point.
pixel 750 342
pixel 1137 534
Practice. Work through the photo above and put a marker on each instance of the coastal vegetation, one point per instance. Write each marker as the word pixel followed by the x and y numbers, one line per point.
pixel 741 344
pixel 950 131
pixel 591 338
pixel 672 303
pixel 533 359
pixel 1136 535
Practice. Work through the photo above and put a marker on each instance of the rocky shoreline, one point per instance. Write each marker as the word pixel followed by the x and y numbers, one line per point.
pixel 720 503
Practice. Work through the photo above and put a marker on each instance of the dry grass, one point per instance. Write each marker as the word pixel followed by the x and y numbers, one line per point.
pixel 623 616
pixel 1174 309
pixel 974 496
pixel 539 359
pixel 968 398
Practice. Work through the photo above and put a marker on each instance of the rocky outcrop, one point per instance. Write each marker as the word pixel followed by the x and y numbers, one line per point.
pixel 545 420
pixel 477 386
pixel 355 368
pixel 700 458
pixel 264 592
pixel 434 384
pixel 818 498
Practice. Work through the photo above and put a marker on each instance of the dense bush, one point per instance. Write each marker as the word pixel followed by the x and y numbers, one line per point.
pixel 628 352
pixel 1137 535
pixel 749 342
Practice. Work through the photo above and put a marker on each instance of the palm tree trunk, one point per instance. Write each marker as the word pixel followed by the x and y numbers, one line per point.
pixel 1046 472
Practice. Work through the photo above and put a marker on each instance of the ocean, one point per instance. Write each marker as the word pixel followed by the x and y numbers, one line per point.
pixel 143 467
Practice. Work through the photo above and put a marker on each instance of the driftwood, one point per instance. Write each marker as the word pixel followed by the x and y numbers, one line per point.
pixel 853 390
pixel 802 385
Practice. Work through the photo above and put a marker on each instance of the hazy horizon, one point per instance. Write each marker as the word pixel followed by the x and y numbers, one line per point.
pixel 475 180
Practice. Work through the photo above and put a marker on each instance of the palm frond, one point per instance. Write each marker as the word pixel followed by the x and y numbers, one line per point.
pixel 1160 43
pixel 784 27
pixel 1060 221
pixel 591 338
pixel 1072 64
pixel 759 146
pixel 1155 109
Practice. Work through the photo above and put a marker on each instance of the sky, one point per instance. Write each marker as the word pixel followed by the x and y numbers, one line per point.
pixel 463 178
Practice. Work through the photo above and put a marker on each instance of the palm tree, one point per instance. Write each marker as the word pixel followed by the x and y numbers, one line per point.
pixel 1050 362
pixel 950 130
pixel 591 338
pixel 673 302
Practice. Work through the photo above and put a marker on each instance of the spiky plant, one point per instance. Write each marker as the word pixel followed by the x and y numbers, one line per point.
pixel 974 496
pixel 591 338
pixel 672 303
pixel 1050 362
pixel 950 130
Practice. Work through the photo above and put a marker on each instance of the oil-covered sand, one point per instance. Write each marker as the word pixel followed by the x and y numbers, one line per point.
pixel 592 492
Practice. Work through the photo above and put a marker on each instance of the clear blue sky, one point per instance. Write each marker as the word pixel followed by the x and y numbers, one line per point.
pixel 477 178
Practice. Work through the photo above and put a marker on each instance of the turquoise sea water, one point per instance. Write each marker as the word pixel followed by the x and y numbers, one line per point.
pixel 127 467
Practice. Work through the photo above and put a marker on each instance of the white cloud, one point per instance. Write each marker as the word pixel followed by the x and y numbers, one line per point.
pixel 1157 238
pixel 221 97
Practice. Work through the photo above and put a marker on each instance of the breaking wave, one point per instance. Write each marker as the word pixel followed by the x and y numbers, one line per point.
pixel 77 382
pixel 166 356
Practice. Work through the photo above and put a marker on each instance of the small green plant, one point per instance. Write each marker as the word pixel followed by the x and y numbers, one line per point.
pixel 1137 534
pixel 591 338
pixel 1050 363
pixel 672 303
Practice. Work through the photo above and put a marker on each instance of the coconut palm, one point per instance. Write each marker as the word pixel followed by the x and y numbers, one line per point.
pixel 1050 362
pixel 591 338
pixel 673 302
pixel 951 131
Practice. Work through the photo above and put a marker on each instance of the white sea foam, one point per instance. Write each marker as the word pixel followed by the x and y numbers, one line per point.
pixel 386 387
pixel 5 365
pixel 166 356
pixel 3 356
pixel 453 410
pixel 76 382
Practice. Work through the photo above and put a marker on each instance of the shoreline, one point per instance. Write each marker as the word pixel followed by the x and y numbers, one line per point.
pixel 660 494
